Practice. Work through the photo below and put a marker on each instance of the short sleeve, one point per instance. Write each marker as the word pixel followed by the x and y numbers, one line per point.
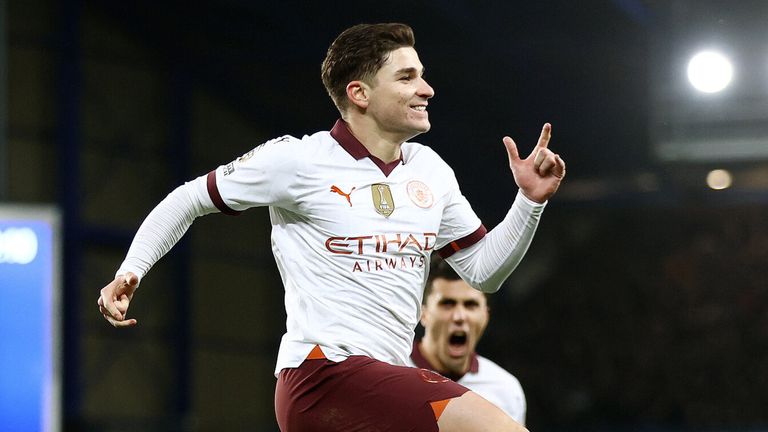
pixel 459 227
pixel 261 177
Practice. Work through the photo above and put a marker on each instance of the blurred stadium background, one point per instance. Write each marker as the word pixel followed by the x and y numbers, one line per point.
pixel 642 305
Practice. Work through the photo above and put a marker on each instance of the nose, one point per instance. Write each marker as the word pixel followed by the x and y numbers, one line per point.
pixel 425 90
pixel 459 314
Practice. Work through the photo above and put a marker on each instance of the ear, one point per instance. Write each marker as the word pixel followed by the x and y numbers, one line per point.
pixel 423 316
pixel 357 94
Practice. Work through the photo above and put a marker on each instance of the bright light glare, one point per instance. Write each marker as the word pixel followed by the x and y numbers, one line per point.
pixel 719 179
pixel 18 246
pixel 710 71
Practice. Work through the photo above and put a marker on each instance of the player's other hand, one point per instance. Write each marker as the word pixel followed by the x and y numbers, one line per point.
pixel 115 298
pixel 539 175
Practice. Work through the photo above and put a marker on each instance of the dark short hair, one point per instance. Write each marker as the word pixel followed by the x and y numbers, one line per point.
pixel 358 53
pixel 438 269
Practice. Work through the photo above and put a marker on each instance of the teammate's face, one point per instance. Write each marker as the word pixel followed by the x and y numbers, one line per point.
pixel 399 94
pixel 454 317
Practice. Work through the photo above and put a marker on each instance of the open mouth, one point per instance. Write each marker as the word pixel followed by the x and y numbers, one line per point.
pixel 458 338
pixel 457 343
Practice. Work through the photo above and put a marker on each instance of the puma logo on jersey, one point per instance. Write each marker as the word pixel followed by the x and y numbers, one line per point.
pixel 336 189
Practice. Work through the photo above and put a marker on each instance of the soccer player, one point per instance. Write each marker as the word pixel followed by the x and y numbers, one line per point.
pixel 454 316
pixel 356 213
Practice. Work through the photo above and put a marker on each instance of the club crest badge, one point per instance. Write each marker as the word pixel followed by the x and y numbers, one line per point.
pixel 382 199
pixel 432 377
pixel 420 194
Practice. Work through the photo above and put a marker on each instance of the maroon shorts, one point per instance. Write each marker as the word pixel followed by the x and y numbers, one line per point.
pixel 360 394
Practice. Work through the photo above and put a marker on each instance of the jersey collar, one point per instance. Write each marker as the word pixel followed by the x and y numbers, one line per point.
pixel 357 150
pixel 421 362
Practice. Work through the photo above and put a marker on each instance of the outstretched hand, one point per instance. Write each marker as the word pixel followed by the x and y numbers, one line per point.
pixel 539 175
pixel 115 298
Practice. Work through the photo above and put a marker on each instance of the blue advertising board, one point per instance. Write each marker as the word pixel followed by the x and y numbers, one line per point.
pixel 29 319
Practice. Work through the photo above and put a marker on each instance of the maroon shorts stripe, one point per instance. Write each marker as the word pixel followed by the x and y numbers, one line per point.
pixel 462 243
pixel 361 394
pixel 213 192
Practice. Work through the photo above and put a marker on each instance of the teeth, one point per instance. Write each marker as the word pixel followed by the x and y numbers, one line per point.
pixel 420 108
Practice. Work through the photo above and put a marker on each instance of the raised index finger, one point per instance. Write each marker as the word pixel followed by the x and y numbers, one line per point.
pixel 546 133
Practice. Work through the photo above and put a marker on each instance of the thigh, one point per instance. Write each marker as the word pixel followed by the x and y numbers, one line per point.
pixel 472 413
pixel 361 394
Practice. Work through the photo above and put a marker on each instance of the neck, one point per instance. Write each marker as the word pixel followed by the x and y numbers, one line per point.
pixel 382 144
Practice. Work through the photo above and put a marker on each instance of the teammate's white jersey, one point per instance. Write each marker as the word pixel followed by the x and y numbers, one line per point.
pixel 489 380
pixel 352 237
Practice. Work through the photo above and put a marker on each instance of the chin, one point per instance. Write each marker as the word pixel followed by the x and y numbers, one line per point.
pixel 420 129
pixel 417 124
pixel 410 131
pixel 456 369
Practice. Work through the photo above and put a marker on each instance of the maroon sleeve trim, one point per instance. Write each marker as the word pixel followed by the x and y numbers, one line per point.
pixel 462 243
pixel 213 192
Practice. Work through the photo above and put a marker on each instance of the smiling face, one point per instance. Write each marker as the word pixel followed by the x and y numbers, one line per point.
pixel 454 317
pixel 398 95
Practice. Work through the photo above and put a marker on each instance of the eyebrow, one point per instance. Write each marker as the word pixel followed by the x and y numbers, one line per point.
pixel 409 70
pixel 446 300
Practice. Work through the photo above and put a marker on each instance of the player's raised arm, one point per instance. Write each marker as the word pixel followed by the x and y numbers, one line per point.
pixel 539 175
pixel 489 262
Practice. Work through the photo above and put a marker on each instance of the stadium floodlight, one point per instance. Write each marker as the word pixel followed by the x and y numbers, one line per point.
pixel 710 71
pixel 719 179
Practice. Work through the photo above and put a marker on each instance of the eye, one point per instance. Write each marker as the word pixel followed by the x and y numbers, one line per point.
pixel 446 304
pixel 471 305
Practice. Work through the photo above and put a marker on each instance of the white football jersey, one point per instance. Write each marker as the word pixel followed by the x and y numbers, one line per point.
pixel 352 237
pixel 487 379
pixel 498 386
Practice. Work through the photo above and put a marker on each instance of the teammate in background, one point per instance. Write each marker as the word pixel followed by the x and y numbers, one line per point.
pixel 356 213
pixel 454 316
